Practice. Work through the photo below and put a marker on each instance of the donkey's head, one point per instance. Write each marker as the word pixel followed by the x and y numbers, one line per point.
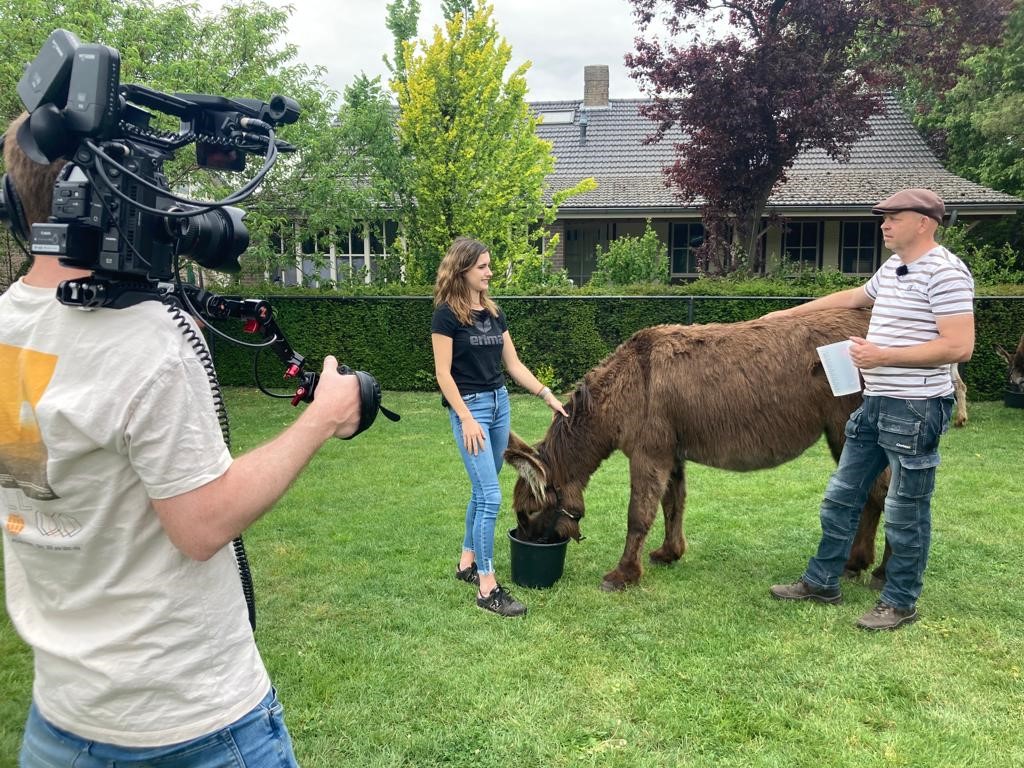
pixel 545 510
pixel 1015 362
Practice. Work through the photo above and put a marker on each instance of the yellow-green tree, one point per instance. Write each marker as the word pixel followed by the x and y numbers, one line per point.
pixel 475 165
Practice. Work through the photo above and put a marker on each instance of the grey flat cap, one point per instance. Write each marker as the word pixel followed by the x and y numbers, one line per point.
pixel 922 201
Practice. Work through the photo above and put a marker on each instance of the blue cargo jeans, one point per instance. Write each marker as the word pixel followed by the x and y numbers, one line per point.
pixel 903 435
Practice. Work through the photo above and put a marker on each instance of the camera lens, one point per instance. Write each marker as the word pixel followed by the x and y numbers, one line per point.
pixel 283 109
pixel 214 239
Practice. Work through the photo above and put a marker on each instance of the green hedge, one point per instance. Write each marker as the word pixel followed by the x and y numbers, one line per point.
pixel 567 335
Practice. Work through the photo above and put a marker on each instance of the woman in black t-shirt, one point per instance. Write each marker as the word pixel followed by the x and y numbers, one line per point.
pixel 471 342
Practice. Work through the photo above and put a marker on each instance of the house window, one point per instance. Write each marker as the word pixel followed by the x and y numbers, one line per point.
pixel 557 117
pixel 687 237
pixel 580 253
pixel 318 243
pixel 803 243
pixel 859 247
pixel 351 241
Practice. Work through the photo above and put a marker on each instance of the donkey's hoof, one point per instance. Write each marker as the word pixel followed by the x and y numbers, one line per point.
pixel 616 582
pixel 664 556
pixel 877 583
pixel 851 575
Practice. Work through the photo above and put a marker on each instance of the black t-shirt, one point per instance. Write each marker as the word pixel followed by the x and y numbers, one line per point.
pixel 476 348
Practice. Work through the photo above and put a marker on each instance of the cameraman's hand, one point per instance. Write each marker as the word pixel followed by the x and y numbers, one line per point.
pixel 337 399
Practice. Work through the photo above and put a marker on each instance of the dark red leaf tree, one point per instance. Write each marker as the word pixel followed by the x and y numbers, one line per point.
pixel 758 81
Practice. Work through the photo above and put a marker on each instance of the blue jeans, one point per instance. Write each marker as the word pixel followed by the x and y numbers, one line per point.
pixel 256 740
pixel 493 413
pixel 903 435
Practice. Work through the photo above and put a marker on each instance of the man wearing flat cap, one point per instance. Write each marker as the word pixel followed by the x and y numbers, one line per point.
pixel 922 320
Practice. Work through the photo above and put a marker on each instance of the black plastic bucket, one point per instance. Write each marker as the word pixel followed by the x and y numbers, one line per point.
pixel 534 564
pixel 1012 398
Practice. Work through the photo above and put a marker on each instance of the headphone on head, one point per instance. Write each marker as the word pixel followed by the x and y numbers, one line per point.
pixel 11 209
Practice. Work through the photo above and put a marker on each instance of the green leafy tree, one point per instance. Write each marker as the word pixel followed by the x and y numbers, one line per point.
pixel 352 170
pixel 475 165
pixel 332 183
pixel 977 127
pixel 633 260
pixel 402 20
pixel 449 8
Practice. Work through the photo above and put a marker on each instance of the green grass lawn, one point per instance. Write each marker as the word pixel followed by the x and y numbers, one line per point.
pixel 382 659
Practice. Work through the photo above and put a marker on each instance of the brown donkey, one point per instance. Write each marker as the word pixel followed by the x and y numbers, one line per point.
pixel 739 396
pixel 1015 362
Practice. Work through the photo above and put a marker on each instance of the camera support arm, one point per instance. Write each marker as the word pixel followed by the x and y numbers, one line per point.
pixel 259 317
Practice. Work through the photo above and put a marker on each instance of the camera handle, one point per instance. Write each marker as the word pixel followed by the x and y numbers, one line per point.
pixel 259 317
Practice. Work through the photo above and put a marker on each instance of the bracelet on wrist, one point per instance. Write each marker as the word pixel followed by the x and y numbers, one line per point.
pixel 544 392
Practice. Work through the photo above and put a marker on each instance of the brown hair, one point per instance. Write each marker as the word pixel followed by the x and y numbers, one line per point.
pixel 450 288
pixel 33 182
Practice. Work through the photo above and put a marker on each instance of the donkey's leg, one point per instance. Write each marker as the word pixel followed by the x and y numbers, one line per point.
pixel 648 479
pixel 878 575
pixel 960 389
pixel 862 552
pixel 673 503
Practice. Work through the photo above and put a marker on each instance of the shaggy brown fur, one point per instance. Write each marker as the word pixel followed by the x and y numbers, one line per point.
pixel 739 396
pixel 960 390
pixel 1015 363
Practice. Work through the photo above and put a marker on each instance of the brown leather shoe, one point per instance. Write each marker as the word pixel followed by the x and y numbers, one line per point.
pixel 801 590
pixel 885 616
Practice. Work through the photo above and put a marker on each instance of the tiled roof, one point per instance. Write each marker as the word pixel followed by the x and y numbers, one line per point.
pixel 630 179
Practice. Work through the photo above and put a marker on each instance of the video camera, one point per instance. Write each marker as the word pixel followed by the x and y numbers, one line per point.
pixel 113 212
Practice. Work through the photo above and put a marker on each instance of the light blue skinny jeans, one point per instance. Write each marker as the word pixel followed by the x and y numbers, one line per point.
pixel 903 435
pixel 256 740
pixel 494 415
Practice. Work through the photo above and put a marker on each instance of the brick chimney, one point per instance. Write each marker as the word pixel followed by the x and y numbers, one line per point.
pixel 595 85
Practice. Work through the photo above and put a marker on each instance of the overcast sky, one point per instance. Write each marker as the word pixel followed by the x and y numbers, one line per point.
pixel 559 37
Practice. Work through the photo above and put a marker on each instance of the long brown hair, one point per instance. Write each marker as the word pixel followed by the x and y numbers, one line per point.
pixel 450 287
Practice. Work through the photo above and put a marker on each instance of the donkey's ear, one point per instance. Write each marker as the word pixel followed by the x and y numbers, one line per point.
pixel 527 463
pixel 1007 357
pixel 518 447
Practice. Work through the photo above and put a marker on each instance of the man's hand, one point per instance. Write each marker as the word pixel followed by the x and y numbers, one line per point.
pixel 336 400
pixel 865 354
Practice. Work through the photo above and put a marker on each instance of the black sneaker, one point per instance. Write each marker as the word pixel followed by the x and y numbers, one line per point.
pixel 885 616
pixel 801 590
pixel 468 574
pixel 501 602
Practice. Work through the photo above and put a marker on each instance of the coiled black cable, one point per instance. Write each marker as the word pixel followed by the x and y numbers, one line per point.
pixel 198 343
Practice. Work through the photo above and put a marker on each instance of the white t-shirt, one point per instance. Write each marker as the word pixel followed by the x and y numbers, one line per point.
pixel 903 314
pixel 135 644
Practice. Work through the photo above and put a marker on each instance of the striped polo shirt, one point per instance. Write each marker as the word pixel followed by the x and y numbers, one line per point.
pixel 904 312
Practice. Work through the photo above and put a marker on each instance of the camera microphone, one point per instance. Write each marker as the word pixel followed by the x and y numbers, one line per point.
pixel 901 270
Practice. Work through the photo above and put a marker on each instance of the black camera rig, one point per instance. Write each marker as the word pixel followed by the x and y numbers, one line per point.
pixel 114 213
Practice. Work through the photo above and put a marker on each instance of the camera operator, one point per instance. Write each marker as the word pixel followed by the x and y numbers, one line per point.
pixel 121 500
